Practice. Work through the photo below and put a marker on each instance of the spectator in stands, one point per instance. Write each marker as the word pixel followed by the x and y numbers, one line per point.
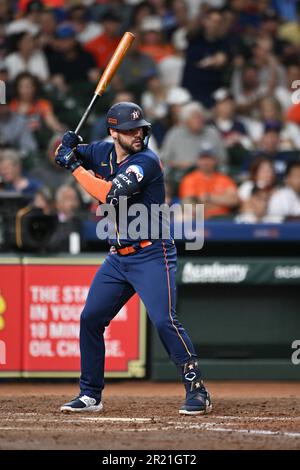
pixel 208 186
pixel 27 58
pixel 269 26
pixel 206 57
pixel 182 142
pixel 271 113
pixel 44 200
pixel 179 36
pixel 171 69
pixel 71 63
pixel 15 132
pixel 254 209
pixel 270 71
pixel 153 41
pixel 154 104
pixel 47 33
pixel 6 11
pixel 121 8
pixel 38 111
pixel 176 98
pixel 247 89
pixel 3 42
pixel 262 176
pixel 12 175
pixel 67 203
pixel 30 21
pixel 135 68
pixel 259 80
pixel 47 171
pixel 5 86
pixel 165 11
pixel 104 45
pixel 284 94
pixel 86 30
pixel 232 130
pixel 270 147
pixel 292 95
pixel 285 203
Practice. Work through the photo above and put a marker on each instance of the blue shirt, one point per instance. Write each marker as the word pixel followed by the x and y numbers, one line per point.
pixel 102 159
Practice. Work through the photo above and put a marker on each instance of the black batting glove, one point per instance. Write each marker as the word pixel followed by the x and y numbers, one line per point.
pixel 71 140
pixel 67 158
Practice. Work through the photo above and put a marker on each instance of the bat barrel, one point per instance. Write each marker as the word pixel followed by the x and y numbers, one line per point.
pixel 108 73
pixel 115 62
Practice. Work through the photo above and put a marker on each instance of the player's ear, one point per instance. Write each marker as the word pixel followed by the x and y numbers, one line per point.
pixel 112 132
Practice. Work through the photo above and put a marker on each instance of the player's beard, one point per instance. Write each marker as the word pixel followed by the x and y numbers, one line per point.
pixel 131 149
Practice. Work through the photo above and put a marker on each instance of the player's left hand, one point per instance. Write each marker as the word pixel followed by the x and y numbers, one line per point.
pixel 67 158
pixel 71 140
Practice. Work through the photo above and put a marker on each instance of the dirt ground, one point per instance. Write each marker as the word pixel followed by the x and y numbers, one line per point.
pixel 144 415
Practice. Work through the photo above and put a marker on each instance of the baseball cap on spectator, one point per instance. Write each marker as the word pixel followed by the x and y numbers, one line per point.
pixel 65 31
pixel 34 6
pixel 207 150
pixel 222 94
pixel 270 14
pixel 111 15
pixel 273 125
pixel 178 95
pixel 151 23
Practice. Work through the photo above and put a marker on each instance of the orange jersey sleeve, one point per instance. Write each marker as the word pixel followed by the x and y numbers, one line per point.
pixel 97 188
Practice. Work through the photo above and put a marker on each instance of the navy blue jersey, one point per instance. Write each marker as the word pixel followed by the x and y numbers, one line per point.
pixel 102 159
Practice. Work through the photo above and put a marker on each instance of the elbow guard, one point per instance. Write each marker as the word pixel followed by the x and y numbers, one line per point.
pixel 123 185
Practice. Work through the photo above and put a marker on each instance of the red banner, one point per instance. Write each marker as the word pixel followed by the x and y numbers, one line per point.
pixel 54 296
pixel 10 319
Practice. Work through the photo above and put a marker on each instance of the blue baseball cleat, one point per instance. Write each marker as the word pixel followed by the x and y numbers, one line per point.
pixel 82 403
pixel 197 401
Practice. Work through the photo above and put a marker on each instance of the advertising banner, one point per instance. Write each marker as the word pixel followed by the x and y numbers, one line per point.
pixel 54 296
pixel 256 271
pixel 10 317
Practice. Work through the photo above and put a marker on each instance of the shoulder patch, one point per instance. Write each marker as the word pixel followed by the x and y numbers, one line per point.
pixel 137 170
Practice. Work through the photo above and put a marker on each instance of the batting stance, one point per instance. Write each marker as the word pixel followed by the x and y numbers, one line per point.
pixel 128 168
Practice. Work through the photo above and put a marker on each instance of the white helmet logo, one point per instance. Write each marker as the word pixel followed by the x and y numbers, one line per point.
pixel 135 114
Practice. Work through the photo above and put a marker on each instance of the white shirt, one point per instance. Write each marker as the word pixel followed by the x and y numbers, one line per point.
pixel 36 65
pixel 90 32
pixel 245 190
pixel 285 202
pixel 170 71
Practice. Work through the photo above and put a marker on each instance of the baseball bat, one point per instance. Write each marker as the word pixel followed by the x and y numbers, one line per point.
pixel 107 75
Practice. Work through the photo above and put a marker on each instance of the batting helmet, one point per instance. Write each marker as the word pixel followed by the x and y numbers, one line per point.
pixel 125 116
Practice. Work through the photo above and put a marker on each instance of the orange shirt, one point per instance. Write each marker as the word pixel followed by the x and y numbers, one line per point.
pixel 197 184
pixel 102 48
pixel 39 107
pixel 47 3
pixel 158 52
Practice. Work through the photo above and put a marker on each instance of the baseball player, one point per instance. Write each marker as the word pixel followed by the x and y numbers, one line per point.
pixel 128 168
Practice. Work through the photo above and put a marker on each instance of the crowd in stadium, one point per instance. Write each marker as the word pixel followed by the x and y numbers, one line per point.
pixel 219 80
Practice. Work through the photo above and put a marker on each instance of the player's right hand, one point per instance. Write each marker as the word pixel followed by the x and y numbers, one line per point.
pixel 67 158
pixel 71 140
